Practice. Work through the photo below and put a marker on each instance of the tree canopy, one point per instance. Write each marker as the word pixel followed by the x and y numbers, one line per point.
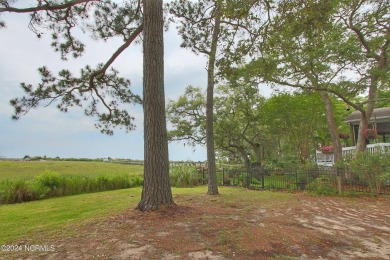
pixel 337 50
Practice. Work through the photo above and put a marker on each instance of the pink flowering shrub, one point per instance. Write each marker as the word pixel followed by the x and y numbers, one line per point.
pixel 370 134
pixel 327 148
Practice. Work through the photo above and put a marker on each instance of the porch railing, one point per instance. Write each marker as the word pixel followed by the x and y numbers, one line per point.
pixel 328 159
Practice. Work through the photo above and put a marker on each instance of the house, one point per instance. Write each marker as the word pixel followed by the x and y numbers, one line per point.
pixel 380 120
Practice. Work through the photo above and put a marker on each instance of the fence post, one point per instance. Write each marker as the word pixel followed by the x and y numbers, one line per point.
pixel 223 176
pixel 204 181
pixel 338 179
pixel 262 180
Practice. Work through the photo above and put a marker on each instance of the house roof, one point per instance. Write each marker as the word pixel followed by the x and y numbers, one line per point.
pixel 379 115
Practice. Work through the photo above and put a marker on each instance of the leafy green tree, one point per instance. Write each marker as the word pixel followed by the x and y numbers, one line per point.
pixel 366 23
pixel 384 100
pixel 187 116
pixel 298 123
pixel 250 128
pixel 100 89
pixel 323 46
pixel 253 128
pixel 210 28
pixel 294 123
pixel 240 129
pixel 299 52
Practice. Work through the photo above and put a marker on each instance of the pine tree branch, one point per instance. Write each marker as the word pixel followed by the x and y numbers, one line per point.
pixel 103 70
pixel 46 7
pixel 100 73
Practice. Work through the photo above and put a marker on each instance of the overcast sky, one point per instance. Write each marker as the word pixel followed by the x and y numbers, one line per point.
pixel 46 131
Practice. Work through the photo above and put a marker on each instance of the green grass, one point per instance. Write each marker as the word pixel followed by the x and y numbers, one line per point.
pixel 62 215
pixel 27 170
pixel 20 220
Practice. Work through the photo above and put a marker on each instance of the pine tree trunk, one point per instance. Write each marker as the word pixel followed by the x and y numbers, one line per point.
pixel 156 190
pixel 334 133
pixel 212 175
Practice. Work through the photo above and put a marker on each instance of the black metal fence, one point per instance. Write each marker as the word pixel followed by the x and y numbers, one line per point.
pixel 316 178
pixel 294 178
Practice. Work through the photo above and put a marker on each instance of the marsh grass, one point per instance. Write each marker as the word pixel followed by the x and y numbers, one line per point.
pixel 185 176
pixel 11 170
pixel 52 184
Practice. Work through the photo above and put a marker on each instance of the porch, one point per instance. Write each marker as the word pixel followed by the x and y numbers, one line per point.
pixel 327 159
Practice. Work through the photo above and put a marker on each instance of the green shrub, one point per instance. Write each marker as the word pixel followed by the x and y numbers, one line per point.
pixel 373 169
pixel 322 186
pixel 51 180
pixel 386 178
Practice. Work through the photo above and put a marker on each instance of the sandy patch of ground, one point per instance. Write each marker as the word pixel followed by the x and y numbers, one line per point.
pixel 205 227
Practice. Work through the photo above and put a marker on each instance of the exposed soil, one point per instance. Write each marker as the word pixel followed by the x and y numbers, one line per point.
pixel 207 227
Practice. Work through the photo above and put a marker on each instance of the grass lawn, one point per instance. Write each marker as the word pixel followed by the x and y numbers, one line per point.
pixel 27 170
pixel 61 214
pixel 31 218
pixel 238 224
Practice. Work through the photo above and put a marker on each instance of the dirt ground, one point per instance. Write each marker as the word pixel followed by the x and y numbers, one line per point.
pixel 209 227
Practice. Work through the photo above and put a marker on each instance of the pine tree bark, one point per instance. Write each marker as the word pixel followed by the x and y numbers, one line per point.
pixel 212 175
pixel 156 190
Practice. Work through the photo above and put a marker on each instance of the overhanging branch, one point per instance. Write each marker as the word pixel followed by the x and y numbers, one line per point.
pixel 103 70
pixel 45 7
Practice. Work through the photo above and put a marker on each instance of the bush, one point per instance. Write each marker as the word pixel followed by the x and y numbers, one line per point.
pixel 323 186
pixel 373 169
pixel 52 182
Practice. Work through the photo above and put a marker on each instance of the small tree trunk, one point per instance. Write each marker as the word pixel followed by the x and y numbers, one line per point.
pixel 366 116
pixel 244 156
pixel 212 184
pixel 156 190
pixel 334 133
pixel 258 149
pixel 361 141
